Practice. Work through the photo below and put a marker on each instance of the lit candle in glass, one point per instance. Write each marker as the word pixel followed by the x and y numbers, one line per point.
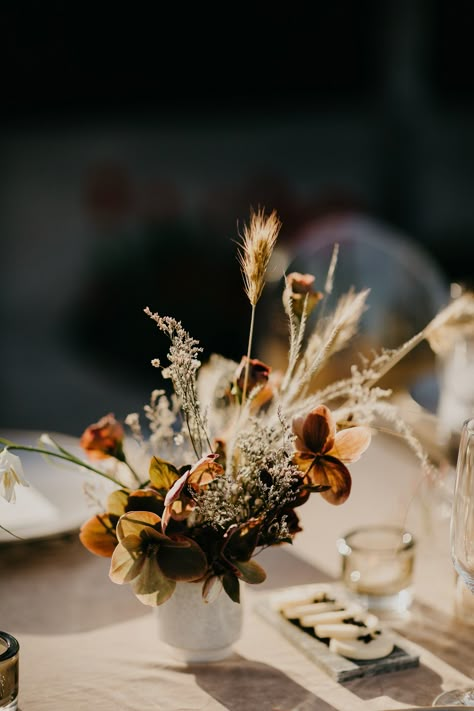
pixel 9 654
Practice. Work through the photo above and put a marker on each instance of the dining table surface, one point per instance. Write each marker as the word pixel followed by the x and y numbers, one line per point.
pixel 86 643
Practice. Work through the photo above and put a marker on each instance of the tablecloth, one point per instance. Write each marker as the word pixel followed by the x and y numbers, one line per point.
pixel 86 643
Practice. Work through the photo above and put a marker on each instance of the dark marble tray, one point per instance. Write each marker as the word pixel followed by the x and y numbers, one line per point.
pixel 403 655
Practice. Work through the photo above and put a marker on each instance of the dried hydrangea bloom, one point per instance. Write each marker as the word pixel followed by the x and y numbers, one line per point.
pixel 299 288
pixel 98 535
pixel 258 374
pixel 178 502
pixel 103 439
pixel 151 561
pixel 322 453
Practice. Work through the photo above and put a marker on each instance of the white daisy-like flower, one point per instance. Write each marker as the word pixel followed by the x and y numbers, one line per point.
pixel 11 474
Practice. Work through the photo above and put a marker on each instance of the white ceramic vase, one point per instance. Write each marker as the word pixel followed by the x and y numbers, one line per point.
pixel 198 631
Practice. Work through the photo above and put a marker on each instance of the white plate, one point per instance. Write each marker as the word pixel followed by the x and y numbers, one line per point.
pixel 54 503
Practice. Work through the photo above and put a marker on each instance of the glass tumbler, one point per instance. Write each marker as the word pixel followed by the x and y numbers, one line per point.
pixel 377 567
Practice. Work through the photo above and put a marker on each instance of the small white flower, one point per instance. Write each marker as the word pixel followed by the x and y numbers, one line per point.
pixel 46 439
pixel 11 474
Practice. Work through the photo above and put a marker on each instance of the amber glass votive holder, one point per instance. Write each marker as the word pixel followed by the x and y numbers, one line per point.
pixel 9 657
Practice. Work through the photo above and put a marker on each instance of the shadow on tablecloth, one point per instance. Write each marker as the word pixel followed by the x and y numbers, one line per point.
pixel 241 684
pixel 56 586
pixel 410 686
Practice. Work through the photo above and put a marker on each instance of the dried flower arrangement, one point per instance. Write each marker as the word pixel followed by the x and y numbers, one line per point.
pixel 237 448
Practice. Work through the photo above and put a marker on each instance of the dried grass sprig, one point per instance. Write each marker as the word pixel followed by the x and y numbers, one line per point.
pixel 297 331
pixel 445 328
pixel 456 319
pixel 254 256
pixel 256 249
pixel 328 286
pixel 345 321
pixel 337 331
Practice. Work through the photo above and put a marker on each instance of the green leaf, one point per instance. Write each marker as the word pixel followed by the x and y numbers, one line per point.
pixel 182 564
pixel 250 571
pixel 232 586
pixel 162 474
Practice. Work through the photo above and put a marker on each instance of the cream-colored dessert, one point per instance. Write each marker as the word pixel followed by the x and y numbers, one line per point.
pixel 362 649
pixel 310 610
pixel 348 626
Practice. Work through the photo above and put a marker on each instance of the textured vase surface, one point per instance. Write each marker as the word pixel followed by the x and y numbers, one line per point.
pixel 198 631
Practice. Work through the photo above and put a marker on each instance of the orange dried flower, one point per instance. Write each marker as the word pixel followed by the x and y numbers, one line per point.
pixel 299 287
pixel 322 453
pixel 103 439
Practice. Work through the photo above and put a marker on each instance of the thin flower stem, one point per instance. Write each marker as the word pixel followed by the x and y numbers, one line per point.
pixel 191 438
pixel 249 350
pixel 11 533
pixel 121 458
pixel 67 457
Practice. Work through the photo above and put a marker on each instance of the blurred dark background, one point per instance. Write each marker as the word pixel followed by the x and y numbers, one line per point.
pixel 133 143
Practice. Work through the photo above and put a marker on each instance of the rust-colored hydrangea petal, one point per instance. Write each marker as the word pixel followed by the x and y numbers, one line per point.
pixel 303 460
pixel 117 502
pixel 127 561
pixel 162 474
pixel 319 430
pixel 136 522
pixel 176 489
pixel 350 444
pixel 204 471
pixel 158 597
pixel 151 586
pixel 258 374
pixel 98 535
pixel 103 439
pixel 300 283
pixel 331 471
pixel 173 506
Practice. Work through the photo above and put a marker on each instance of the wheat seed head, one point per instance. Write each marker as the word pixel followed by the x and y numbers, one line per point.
pixel 256 248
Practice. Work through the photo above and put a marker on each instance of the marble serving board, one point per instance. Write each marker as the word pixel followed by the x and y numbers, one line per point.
pixel 269 607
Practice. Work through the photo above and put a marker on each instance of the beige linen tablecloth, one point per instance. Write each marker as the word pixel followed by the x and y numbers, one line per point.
pixel 89 644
